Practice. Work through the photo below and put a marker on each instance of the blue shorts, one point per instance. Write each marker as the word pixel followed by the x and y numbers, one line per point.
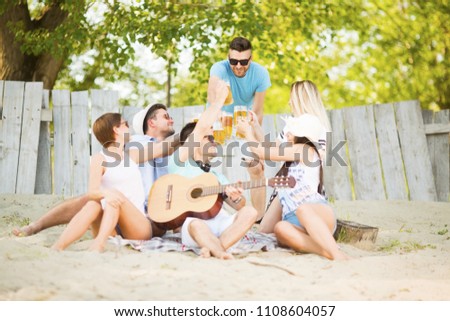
pixel 292 218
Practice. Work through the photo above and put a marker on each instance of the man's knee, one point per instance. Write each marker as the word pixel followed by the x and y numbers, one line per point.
pixel 196 225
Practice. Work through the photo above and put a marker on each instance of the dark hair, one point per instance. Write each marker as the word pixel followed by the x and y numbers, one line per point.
pixel 240 44
pixel 285 168
pixel 103 128
pixel 151 113
pixel 186 131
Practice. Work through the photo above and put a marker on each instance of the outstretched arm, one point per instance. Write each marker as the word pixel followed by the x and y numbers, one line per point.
pixel 217 91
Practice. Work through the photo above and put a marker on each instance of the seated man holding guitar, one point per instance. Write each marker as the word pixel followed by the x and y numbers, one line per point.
pixel 217 234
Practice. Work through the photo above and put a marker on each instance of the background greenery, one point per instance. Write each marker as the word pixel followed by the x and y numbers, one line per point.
pixel 357 52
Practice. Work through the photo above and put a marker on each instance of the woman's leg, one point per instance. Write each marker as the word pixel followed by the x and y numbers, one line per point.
pixel 78 225
pixel 318 221
pixel 271 217
pixel 62 213
pixel 296 238
pixel 133 224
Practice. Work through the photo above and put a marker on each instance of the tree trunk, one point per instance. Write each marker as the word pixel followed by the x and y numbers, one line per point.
pixel 16 65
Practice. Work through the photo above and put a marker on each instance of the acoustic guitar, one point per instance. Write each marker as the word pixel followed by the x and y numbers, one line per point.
pixel 173 197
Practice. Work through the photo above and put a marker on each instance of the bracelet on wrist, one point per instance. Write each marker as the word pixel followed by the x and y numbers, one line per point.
pixel 237 200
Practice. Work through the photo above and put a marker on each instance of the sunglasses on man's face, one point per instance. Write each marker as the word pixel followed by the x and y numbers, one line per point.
pixel 243 62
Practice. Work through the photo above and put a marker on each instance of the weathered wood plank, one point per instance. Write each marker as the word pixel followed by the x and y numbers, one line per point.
pixel 415 151
pixel 363 153
pixel 179 120
pixel 44 168
pixel 327 168
pixel 438 146
pixel 11 130
pixel 279 123
pixel 341 185
pixel 128 114
pixel 390 153
pixel 80 141
pixel 431 129
pixel 2 84
pixel 189 113
pixel 62 142
pixel 102 101
pixel 31 122
pixel 46 115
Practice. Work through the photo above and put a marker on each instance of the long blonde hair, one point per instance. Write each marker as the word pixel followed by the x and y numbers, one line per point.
pixel 305 99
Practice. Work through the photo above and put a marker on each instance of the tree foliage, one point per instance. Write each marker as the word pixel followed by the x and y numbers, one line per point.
pixel 357 52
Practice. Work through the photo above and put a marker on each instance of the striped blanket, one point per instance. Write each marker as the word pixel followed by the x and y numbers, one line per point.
pixel 251 242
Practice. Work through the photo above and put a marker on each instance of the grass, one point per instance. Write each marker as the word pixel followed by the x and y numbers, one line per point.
pixel 408 246
pixel 16 220
pixel 443 231
pixel 409 230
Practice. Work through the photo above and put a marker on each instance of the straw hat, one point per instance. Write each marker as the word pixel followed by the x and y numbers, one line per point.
pixel 138 121
pixel 305 125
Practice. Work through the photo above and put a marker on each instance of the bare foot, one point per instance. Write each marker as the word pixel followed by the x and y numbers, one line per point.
pixel 96 248
pixel 23 231
pixel 227 256
pixel 222 255
pixel 205 252
pixel 341 256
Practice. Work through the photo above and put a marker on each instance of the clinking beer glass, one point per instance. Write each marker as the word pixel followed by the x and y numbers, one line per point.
pixel 240 112
pixel 227 123
pixel 219 132
pixel 229 100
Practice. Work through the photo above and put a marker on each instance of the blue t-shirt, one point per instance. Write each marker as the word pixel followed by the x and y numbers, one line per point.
pixel 151 170
pixel 243 89
pixel 190 169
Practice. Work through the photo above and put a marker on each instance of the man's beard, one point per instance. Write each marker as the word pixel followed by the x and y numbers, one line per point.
pixel 169 132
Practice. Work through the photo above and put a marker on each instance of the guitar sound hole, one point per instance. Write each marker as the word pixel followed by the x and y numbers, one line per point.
pixel 196 192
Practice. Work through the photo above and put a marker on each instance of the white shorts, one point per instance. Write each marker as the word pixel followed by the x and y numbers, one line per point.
pixel 217 225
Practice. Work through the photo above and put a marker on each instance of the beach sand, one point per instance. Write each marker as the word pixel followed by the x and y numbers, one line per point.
pixel 410 261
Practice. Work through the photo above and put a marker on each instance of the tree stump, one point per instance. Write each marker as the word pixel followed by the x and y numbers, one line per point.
pixel 352 232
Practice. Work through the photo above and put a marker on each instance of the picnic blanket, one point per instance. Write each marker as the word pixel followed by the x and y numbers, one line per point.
pixel 251 242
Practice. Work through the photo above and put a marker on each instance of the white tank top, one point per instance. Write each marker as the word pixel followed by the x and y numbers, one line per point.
pixel 126 178
pixel 305 190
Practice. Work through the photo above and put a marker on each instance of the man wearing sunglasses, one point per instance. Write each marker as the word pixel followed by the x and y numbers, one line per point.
pixel 248 80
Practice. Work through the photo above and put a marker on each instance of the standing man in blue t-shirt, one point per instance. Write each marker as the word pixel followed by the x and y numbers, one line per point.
pixel 248 80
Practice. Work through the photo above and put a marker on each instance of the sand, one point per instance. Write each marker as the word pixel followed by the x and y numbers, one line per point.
pixel 409 261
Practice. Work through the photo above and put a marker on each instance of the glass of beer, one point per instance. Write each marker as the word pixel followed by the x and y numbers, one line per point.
pixel 218 132
pixel 229 100
pixel 227 123
pixel 240 112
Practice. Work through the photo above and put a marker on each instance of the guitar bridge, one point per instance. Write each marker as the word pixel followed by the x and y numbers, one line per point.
pixel 169 196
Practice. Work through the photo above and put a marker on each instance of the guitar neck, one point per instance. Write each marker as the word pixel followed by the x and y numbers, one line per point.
pixel 211 190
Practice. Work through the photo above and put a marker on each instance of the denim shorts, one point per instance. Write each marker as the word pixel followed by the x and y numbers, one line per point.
pixel 292 218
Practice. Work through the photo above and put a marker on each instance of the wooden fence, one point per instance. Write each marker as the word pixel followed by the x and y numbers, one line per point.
pixel 389 151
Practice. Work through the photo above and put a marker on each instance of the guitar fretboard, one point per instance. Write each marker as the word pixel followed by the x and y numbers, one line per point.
pixel 211 190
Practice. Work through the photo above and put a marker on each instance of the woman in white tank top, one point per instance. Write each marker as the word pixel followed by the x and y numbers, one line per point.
pixel 308 222
pixel 115 189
